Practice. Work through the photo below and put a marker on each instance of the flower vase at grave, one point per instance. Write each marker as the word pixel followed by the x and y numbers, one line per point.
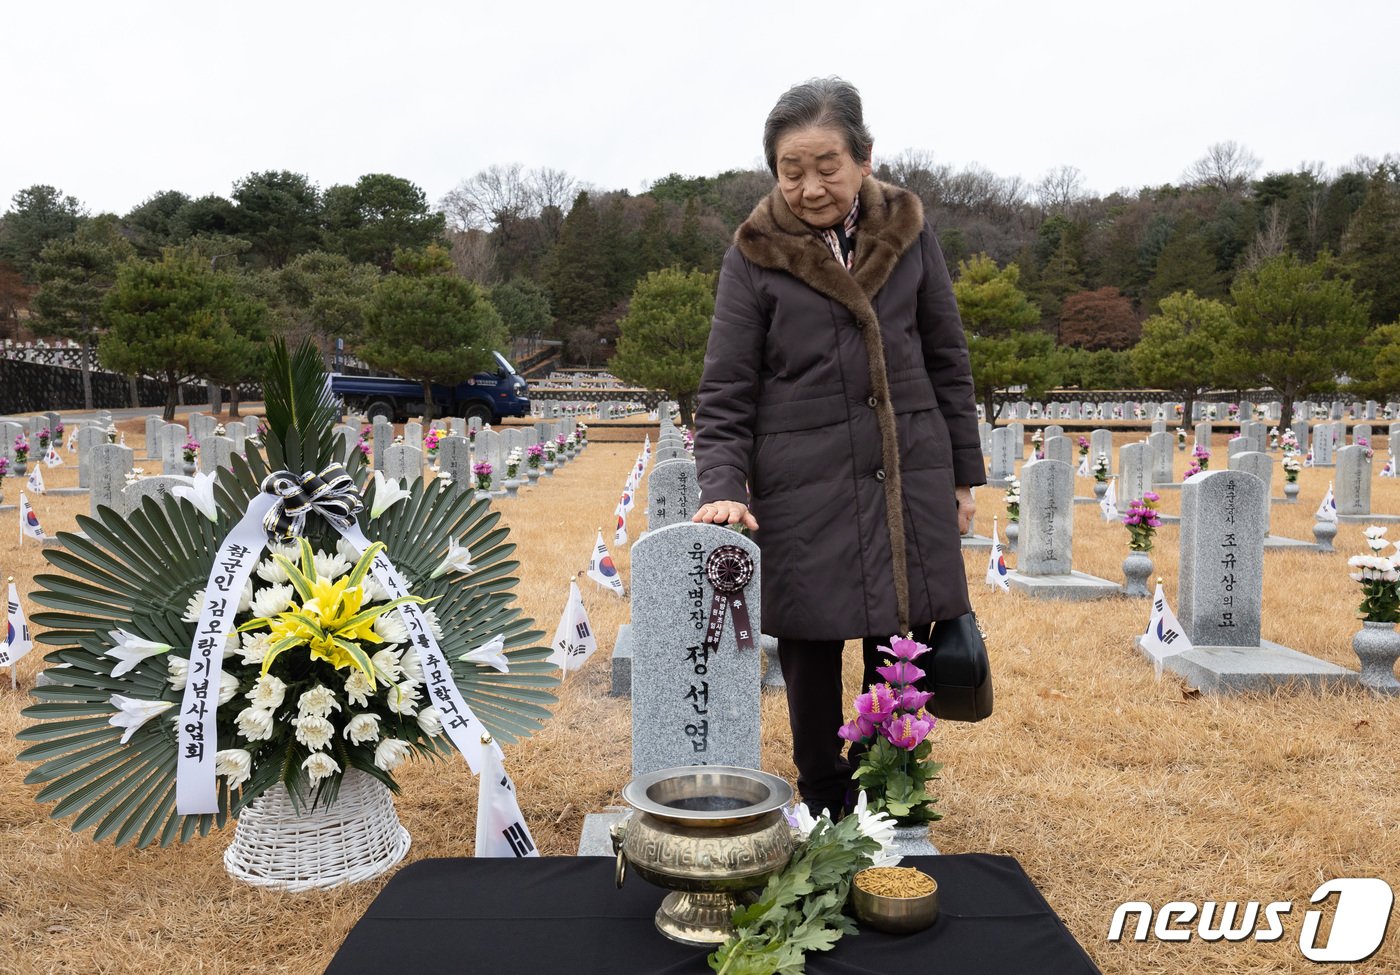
pixel 1324 532
pixel 1137 569
pixel 533 474
pixel 1377 645
pixel 512 487
pixel 19 468
pixel 1290 492
pixel 549 466
pixel 1100 489
pixel 1013 532
pixel 187 467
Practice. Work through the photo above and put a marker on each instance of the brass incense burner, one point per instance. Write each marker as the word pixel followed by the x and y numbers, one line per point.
pixel 707 834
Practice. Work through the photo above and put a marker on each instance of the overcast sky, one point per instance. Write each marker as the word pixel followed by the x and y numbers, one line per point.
pixel 113 102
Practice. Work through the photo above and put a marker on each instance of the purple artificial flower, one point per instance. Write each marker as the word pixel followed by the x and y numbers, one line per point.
pixel 907 731
pixel 902 648
pixel 912 700
pixel 877 704
pixel 1151 496
pixel 901 672
pixel 860 728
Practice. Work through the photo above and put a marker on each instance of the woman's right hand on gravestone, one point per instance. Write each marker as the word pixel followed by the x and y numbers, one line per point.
pixel 726 513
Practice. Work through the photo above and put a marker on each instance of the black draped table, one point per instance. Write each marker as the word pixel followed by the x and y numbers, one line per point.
pixel 564 914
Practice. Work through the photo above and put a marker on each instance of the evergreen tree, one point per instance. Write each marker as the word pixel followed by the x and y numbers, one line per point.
pixel 325 295
pixel 524 309
pixel 1295 327
pixel 1003 345
pixel 1180 346
pixel 177 320
pixel 432 328
pixel 1058 279
pixel 1371 246
pixel 367 222
pixel 577 278
pixel 37 215
pixel 74 274
pixel 690 248
pixel 652 248
pixel 279 213
pixel 1185 263
pixel 663 336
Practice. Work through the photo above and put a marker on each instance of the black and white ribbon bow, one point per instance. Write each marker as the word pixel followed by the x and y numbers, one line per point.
pixel 729 569
pixel 330 493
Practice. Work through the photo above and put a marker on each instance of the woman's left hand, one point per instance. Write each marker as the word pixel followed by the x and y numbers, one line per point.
pixel 966 508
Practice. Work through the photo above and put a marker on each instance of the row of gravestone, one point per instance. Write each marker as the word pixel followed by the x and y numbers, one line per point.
pixel 456 454
pixel 1128 409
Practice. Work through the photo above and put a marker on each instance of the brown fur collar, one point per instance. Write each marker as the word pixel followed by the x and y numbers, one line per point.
pixel 891 220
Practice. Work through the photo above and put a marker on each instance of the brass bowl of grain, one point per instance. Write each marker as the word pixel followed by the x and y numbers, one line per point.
pixel 896 900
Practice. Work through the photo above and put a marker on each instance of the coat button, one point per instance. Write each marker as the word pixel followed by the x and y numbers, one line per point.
pixel 879 475
pixel 872 402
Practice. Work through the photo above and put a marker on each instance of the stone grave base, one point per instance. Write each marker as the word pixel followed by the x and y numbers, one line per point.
pixel 1079 500
pixel 1278 541
pixel 1283 500
pixel 998 482
pixel 1233 670
pixel 1369 519
pixel 595 841
pixel 622 662
pixel 1074 587
pixel 8 507
pixel 65 492
pixel 976 541
pixel 1168 519
pixel 1174 486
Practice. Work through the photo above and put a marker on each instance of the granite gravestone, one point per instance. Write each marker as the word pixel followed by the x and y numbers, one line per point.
pixel 455 460
pixel 1059 448
pixel 984 437
pixel 215 452
pixel 673 493
pixel 1360 432
pixel 172 449
pixel 403 463
pixel 1353 486
pixel 1220 595
pixel 413 434
pixel 88 437
pixel 202 426
pixel 1259 464
pixel 237 431
pixel 1018 440
pixel 154 424
pixel 108 465
pixel 147 487
pixel 1160 446
pixel 1053 430
pixel 670 449
pixel 456 426
pixel 383 437
pixel 1203 433
pixel 1003 457
pixel 488 451
pixel 1237 445
pixel 1324 445
pixel 349 438
pixel 1134 477
pixel 1044 567
pixel 691 705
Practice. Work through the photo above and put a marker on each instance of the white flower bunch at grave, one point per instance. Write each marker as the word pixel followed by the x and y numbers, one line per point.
pixel 220 430
pixel 135 474
pixel 1101 467
pixel 1013 498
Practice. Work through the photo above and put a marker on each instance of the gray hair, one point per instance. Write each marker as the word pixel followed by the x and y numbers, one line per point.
pixel 822 103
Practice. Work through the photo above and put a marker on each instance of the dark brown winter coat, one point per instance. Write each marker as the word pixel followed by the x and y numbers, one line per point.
pixel 832 399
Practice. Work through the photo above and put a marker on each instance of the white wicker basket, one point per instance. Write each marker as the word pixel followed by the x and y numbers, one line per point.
pixel 357 838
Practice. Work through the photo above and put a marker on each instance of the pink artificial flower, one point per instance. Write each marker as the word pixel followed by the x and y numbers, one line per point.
pixel 878 704
pixel 902 648
pixel 912 699
pixel 907 731
pixel 901 672
pixel 861 728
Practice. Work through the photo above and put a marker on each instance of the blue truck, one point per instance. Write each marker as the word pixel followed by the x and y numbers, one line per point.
pixel 487 395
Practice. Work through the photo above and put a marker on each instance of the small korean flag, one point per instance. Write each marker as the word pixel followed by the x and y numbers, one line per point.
pixel 17 641
pixel 500 826
pixel 574 641
pixel 601 569
pixel 28 521
pixel 1164 636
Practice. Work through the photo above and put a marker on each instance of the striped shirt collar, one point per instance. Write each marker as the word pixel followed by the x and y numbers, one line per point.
pixel 842 237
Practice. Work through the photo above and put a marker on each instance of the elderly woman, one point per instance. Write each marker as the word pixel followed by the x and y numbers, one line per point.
pixel 836 415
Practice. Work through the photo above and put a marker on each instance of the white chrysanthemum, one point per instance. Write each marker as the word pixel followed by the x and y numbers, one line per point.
pixel 290 551
pixel 879 826
pixel 390 753
pixel 331 566
pixel 346 551
pixel 412 665
pixel 273 600
pixel 433 625
pixel 228 687
pixel 319 766
pixel 430 721
pixel 318 702
pixel 272 572
pixel 391 629
pixel 267 693
pixel 234 764
pixel 1375 531
pixel 402 698
pixel 255 647
pixel 193 607
pixel 179 668
pixel 386 665
pixel 374 592
pixel 314 733
pixel 362 728
pixel 357 689
pixel 255 723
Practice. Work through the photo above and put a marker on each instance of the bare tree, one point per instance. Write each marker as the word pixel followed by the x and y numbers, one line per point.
pixel 1271 241
pixel 494 195
pixel 474 256
pixel 1226 166
pixel 1060 189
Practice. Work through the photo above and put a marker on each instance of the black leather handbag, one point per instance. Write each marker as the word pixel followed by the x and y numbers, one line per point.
pixel 959 672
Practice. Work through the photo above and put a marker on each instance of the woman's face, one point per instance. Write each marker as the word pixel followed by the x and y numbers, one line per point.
pixel 817 176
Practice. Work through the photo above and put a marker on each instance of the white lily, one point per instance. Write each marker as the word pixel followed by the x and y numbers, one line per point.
pixel 801 819
pixel 386 494
pixel 457 559
pixel 200 493
pixel 131 649
pixel 133 713
pixel 490 654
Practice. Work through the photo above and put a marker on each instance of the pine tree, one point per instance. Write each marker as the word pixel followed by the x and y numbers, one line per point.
pixel 662 345
pixel 1180 346
pixel 1184 264
pixel 1003 345
pixel 1371 246
pixel 577 278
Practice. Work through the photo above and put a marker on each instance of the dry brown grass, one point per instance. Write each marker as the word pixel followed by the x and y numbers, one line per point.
pixel 1105 783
